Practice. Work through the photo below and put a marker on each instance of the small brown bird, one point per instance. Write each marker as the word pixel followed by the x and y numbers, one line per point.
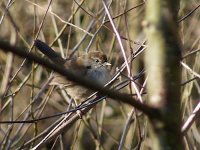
pixel 91 66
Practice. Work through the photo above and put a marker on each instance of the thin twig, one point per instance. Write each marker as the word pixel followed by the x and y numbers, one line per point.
pixel 191 119
pixel 190 13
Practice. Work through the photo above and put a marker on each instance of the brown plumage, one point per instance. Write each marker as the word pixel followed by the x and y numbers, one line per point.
pixel 91 66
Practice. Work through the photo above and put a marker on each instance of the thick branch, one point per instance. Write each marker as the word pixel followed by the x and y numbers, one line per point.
pixel 162 60
pixel 128 99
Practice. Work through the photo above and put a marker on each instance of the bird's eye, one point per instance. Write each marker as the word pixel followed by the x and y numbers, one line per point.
pixel 88 67
pixel 96 60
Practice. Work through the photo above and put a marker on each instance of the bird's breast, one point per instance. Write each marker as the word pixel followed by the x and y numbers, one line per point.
pixel 100 75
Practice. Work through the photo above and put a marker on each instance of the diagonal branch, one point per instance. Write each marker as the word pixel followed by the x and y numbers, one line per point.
pixel 126 98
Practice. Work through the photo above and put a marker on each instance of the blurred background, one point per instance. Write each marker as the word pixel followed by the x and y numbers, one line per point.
pixel 78 26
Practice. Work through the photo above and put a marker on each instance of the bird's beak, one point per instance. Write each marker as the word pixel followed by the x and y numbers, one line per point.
pixel 107 64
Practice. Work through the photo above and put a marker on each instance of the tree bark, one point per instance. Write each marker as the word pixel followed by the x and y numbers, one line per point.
pixel 162 60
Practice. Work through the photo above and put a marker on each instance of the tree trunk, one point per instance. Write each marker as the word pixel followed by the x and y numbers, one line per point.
pixel 162 60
